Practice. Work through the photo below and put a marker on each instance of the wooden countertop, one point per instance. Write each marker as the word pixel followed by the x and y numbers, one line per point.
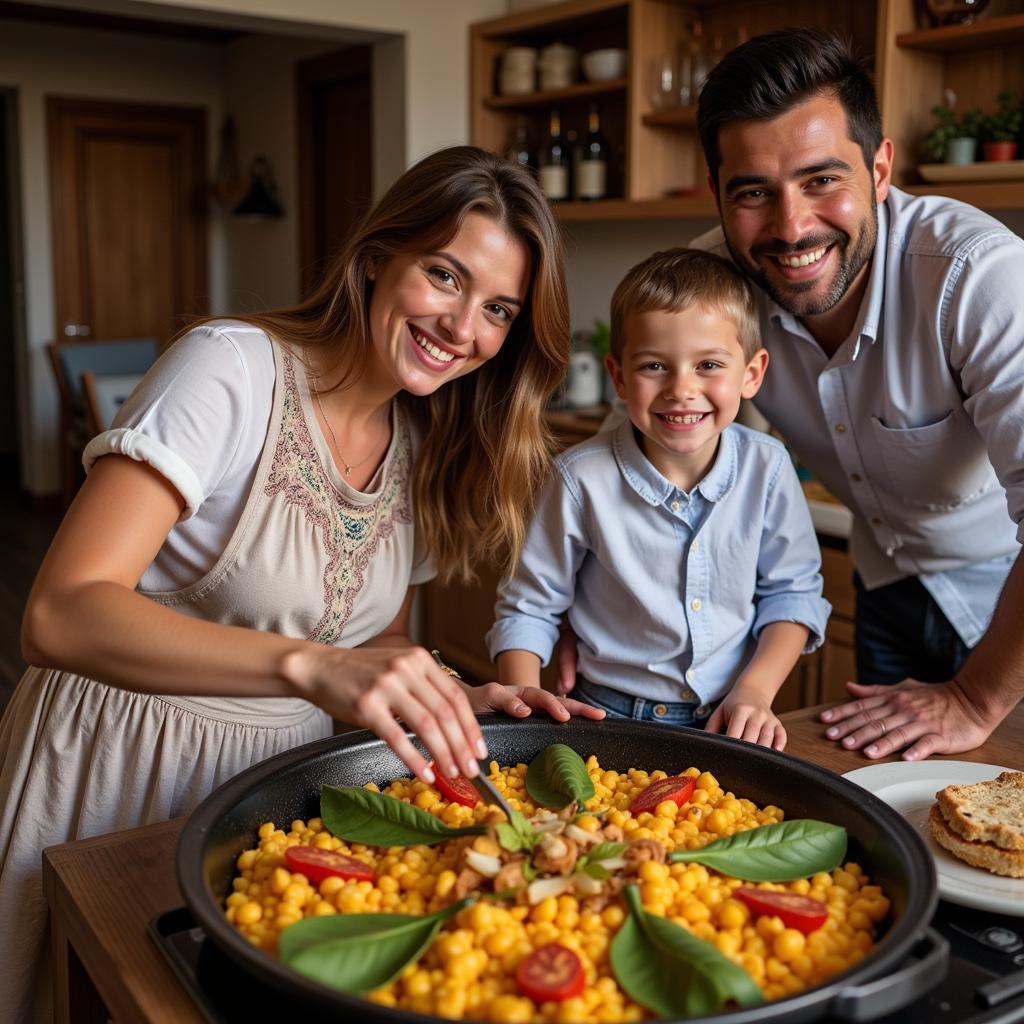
pixel 104 891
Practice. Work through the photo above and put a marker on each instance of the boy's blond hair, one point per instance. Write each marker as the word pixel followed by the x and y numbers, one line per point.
pixel 677 279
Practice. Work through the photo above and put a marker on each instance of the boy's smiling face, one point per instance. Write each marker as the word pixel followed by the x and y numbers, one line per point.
pixel 682 376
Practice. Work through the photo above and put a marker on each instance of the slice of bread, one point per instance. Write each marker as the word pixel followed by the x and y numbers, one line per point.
pixel 978 854
pixel 991 812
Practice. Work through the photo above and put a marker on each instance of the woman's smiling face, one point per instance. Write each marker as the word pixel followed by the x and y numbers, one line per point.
pixel 435 316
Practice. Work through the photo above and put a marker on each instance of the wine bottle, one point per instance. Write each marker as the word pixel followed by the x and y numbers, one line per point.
pixel 518 150
pixel 554 162
pixel 592 174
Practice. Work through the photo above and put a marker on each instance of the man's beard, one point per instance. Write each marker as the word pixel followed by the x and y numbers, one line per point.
pixel 850 264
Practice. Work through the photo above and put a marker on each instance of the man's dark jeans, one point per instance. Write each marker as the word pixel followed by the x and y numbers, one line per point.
pixel 901 632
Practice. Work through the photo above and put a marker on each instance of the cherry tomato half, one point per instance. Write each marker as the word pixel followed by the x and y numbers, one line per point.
pixel 459 790
pixel 800 912
pixel 317 864
pixel 550 973
pixel 678 788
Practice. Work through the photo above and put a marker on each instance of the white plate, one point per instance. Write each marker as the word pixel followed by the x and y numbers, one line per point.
pixel 910 787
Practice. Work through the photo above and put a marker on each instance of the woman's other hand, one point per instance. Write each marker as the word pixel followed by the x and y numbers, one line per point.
pixel 374 686
pixel 522 701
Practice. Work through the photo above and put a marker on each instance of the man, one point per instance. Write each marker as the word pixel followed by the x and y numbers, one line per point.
pixel 894 326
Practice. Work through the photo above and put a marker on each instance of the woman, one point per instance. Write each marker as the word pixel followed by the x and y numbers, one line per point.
pixel 237 568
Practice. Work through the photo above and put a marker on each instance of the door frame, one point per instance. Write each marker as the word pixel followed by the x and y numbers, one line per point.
pixel 350 62
pixel 69 120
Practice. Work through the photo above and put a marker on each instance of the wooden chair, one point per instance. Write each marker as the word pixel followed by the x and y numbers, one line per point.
pixel 103 394
pixel 71 359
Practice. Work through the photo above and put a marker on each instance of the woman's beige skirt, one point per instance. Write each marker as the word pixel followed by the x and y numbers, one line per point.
pixel 79 758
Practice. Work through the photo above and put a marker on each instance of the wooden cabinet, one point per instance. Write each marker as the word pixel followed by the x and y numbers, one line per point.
pixel 659 170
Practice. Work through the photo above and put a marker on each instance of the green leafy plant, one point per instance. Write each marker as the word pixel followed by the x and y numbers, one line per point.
pixel 363 816
pixel 949 126
pixel 557 776
pixel 670 971
pixel 1004 123
pixel 360 952
pixel 591 863
pixel 773 853
pixel 601 339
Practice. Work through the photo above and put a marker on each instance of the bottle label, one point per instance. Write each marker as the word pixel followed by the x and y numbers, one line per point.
pixel 554 182
pixel 591 179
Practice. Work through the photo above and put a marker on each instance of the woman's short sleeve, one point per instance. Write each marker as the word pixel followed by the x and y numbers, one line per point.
pixel 193 411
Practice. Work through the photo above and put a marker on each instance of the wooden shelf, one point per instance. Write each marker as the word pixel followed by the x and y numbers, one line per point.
pixel 566 16
pixel 679 117
pixel 552 97
pixel 637 209
pixel 988 195
pixel 1002 31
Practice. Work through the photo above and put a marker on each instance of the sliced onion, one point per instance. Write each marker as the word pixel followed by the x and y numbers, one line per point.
pixel 612 863
pixel 547 825
pixel 584 884
pixel 541 888
pixel 483 863
pixel 581 835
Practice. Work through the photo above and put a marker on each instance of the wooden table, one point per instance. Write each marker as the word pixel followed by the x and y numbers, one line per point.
pixel 103 892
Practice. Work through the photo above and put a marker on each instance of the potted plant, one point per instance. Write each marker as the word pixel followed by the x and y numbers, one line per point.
pixel 953 139
pixel 1000 129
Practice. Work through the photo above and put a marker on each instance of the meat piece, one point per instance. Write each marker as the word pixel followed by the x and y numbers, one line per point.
pixel 612 833
pixel 510 876
pixel 644 849
pixel 555 855
pixel 468 881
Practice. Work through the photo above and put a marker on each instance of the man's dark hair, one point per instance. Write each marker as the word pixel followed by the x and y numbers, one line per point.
pixel 769 74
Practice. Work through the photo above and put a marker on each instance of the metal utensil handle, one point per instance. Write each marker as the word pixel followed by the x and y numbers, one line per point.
pixel 877 998
pixel 436 655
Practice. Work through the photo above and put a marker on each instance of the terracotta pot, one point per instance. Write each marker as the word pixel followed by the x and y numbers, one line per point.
pixel 999 150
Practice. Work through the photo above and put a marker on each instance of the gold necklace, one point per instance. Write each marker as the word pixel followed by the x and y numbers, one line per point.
pixel 334 440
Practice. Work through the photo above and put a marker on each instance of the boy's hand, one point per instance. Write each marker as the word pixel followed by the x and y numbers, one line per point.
pixel 745 717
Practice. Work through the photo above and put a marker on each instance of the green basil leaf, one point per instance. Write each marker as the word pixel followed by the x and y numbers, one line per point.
pixel 773 853
pixel 591 862
pixel 595 870
pixel 529 871
pixel 360 952
pixel 362 816
pixel 557 776
pixel 509 838
pixel 670 971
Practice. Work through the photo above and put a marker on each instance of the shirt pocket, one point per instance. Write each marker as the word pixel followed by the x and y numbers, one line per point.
pixel 937 467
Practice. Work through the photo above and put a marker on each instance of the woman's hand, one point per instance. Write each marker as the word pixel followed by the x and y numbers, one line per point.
pixel 521 701
pixel 374 686
pixel 747 718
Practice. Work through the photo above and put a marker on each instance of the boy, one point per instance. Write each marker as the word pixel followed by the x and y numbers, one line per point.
pixel 679 543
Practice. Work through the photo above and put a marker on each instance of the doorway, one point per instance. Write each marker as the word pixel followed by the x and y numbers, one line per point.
pixel 335 129
pixel 12 286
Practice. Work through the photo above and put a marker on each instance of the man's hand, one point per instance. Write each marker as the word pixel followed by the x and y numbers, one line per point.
pixel 918 718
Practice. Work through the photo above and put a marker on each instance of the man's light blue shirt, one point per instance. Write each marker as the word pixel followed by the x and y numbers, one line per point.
pixel 917 422
pixel 666 591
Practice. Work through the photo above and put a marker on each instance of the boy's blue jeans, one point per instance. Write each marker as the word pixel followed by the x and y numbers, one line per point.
pixel 902 633
pixel 622 705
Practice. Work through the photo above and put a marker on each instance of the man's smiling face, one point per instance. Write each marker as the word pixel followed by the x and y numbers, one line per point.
pixel 799 206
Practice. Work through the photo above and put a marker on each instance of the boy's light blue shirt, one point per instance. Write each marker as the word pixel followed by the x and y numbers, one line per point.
pixel 666 591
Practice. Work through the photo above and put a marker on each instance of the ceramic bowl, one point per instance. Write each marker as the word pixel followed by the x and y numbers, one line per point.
pixel 603 65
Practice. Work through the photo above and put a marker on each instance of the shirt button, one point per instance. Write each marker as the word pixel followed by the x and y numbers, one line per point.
pixel 695 604
pixel 855 477
pixel 660 710
pixel 840 428
pixel 701 711
pixel 693 546
pixel 690 674
pixel 676 506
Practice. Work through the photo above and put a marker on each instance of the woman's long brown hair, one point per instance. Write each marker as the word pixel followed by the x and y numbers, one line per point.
pixel 485 450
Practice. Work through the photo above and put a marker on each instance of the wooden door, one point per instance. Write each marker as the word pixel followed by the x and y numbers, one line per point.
pixel 335 152
pixel 128 196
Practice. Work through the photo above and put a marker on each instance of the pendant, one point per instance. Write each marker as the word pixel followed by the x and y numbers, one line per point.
pixel 348 469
